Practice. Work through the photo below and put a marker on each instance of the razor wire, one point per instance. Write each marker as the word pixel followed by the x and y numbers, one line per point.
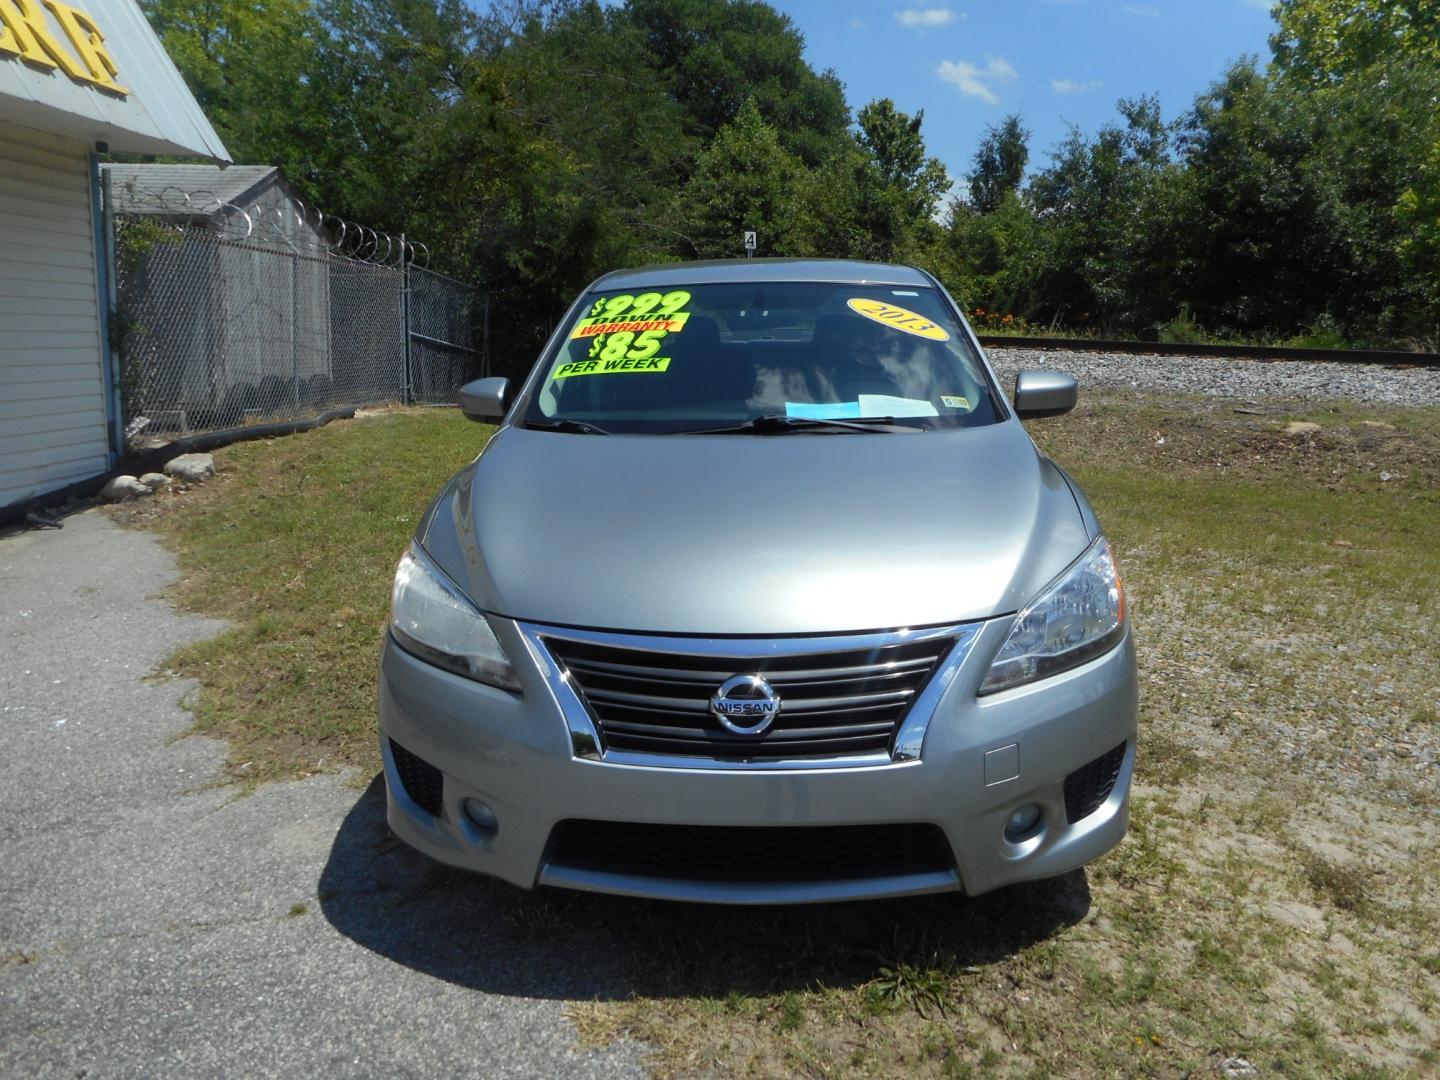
pixel 229 316
pixel 290 224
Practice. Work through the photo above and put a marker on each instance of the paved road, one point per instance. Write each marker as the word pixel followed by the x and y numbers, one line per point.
pixel 145 924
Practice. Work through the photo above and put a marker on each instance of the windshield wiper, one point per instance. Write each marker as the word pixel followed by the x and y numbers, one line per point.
pixel 782 425
pixel 570 427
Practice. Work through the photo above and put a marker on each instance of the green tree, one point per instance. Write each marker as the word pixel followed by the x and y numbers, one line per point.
pixel 1297 190
pixel 1418 213
pixel 995 261
pixel 1111 207
pixel 1266 238
pixel 390 76
pixel 897 149
pixel 720 54
pixel 999 164
pixel 540 180
pixel 1369 75
pixel 1320 41
pixel 878 191
pixel 744 180
pixel 250 68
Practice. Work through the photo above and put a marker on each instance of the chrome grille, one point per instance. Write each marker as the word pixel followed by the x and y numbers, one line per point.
pixel 834 703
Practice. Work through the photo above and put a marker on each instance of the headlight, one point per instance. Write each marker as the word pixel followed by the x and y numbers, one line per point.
pixel 434 620
pixel 1075 618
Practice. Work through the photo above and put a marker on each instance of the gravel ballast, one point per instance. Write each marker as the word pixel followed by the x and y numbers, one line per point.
pixel 1242 379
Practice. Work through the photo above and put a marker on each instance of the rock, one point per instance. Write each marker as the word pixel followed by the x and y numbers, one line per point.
pixel 1248 382
pixel 1301 427
pixel 1238 1066
pixel 155 481
pixel 122 488
pixel 191 467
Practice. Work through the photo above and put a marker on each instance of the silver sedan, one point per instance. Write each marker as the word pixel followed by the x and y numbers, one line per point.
pixel 761 593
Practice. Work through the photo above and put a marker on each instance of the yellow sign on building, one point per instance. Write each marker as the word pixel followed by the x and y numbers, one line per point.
pixel 26 33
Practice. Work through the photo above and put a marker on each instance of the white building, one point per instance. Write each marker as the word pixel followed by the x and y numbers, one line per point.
pixel 73 80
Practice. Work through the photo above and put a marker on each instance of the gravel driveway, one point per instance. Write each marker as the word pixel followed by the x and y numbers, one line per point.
pixel 153 924
pixel 1373 384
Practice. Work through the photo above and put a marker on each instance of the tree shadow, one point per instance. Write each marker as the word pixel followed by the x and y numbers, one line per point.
pixel 550 943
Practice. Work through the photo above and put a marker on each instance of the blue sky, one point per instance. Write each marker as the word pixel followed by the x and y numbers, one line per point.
pixel 1056 62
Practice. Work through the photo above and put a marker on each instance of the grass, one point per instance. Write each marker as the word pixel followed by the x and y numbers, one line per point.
pixel 295 543
pixel 1275 899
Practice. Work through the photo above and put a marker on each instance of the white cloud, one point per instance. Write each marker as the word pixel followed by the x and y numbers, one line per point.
pixel 978 82
pixel 1263 5
pixel 1072 86
pixel 1141 11
pixel 917 18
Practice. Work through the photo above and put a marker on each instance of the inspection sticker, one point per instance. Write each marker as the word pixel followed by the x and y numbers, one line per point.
pixel 612 367
pixel 899 318
pixel 950 401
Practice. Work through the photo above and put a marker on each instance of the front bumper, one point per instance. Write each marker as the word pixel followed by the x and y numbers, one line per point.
pixel 516 755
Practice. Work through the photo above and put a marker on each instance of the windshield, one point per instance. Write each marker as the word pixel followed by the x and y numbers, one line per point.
pixel 711 356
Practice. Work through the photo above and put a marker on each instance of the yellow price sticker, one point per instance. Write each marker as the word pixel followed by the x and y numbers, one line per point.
pixel 898 318
pixel 618 366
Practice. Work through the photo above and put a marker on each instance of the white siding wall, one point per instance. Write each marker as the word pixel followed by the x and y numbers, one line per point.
pixel 52 400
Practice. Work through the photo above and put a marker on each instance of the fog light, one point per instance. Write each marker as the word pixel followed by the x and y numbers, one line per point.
pixel 1022 822
pixel 480 815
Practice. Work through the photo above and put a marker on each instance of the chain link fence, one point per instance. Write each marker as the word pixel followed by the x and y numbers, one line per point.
pixel 221 325
pixel 440 312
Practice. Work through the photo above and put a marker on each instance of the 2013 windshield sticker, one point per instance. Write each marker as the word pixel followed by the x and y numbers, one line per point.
pixel 616 366
pixel 953 401
pixel 898 318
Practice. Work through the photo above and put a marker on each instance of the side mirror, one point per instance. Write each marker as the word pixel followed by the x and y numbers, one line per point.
pixel 485 399
pixel 1044 393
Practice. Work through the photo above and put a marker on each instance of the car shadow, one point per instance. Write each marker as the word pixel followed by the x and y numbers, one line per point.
pixel 484 934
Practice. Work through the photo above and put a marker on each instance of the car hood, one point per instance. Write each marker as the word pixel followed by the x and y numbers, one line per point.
pixel 737 534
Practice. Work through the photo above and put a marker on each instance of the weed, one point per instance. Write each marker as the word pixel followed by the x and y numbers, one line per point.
pixel 1343 886
pixel 1138 984
pixel 907 986
pixel 792 1012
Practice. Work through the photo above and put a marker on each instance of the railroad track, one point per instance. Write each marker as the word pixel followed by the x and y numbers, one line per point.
pixel 1238 352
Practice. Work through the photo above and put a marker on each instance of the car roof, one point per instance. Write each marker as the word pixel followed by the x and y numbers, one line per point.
pixel 717 271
